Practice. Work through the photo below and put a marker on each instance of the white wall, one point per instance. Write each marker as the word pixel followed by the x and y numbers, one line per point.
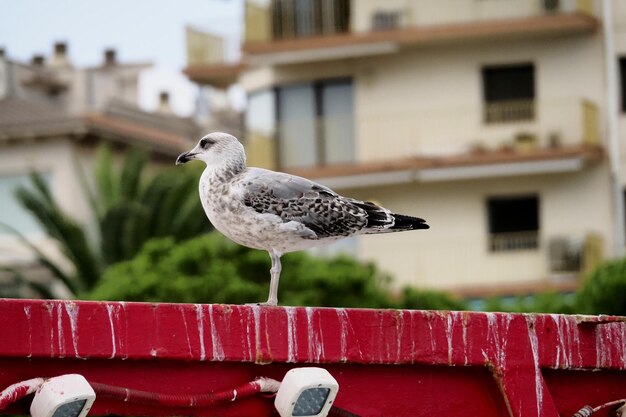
pixel 429 100
pixel 454 252
pixel 429 12
pixel 55 157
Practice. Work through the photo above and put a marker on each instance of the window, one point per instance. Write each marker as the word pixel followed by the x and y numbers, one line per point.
pixel 513 223
pixel 315 123
pixel 301 18
pixel 11 212
pixel 509 93
pixel 301 125
pixel 260 122
pixel 622 74
pixel 297 126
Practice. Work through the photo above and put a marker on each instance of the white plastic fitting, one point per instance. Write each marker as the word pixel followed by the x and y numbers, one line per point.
pixel 306 392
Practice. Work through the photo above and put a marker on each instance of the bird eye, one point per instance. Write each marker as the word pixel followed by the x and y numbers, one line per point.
pixel 205 143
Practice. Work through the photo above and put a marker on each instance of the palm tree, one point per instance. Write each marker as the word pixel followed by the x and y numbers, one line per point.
pixel 128 209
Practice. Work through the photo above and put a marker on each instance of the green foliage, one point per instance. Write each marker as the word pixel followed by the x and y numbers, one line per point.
pixel 128 209
pixel 604 290
pixel 429 300
pixel 548 302
pixel 211 269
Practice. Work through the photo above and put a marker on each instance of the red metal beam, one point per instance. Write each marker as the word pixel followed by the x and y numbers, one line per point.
pixel 387 362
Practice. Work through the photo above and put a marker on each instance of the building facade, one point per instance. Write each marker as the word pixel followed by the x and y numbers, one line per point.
pixel 488 118
pixel 53 117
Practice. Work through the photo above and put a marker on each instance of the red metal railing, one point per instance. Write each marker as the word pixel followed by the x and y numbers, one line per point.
pixel 387 362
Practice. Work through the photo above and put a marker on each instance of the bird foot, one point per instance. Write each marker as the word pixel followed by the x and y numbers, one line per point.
pixel 265 304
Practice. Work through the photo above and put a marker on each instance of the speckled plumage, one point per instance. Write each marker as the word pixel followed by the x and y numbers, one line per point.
pixel 279 212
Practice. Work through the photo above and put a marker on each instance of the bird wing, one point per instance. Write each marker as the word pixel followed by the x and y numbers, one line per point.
pixel 294 198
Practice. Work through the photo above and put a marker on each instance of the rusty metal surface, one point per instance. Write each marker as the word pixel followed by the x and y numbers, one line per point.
pixel 387 362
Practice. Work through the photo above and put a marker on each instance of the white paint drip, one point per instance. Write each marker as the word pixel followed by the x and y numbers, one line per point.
pixel 218 349
pixel 573 331
pixel 72 311
pixel 342 316
pixel 110 311
pixel 464 338
pixel 50 309
pixel 493 332
pixel 182 313
pixel 246 339
pixel 200 324
pixel 449 333
pixel 432 339
pixel 623 344
pixel 399 331
pixel 599 346
pixel 563 354
pixel 315 348
pixel 534 345
pixel 413 335
pixel 60 335
pixel 381 326
pixel 256 312
pixel 498 332
pixel 30 331
pixel 292 341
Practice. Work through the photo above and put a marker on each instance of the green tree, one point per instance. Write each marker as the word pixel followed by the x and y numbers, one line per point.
pixel 547 302
pixel 128 207
pixel 211 269
pixel 604 290
pixel 415 299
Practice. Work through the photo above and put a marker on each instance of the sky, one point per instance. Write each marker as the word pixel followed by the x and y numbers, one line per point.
pixel 140 30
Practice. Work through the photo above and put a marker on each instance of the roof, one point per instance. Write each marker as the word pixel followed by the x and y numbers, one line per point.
pixel 21 119
pixel 585 152
pixel 18 111
pixel 557 24
pixel 355 44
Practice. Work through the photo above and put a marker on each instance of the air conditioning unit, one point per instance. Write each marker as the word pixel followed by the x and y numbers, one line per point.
pixel 385 20
pixel 551 5
pixel 565 254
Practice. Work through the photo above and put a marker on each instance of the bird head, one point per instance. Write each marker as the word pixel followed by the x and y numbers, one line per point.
pixel 215 149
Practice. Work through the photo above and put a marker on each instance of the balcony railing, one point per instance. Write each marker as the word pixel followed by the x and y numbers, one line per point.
pixel 268 20
pixel 288 19
pixel 455 130
pixel 509 111
pixel 505 242
pixel 440 132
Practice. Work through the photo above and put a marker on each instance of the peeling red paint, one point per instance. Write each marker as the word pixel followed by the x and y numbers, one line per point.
pixel 418 362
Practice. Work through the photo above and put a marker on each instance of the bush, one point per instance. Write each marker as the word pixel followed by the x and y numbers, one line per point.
pixel 429 300
pixel 548 302
pixel 604 290
pixel 211 269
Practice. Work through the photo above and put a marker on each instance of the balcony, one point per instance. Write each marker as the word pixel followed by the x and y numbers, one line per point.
pixel 522 126
pixel 506 242
pixel 277 32
pixel 509 111
pixel 439 144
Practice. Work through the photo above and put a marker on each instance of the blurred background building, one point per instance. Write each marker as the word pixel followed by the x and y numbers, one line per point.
pixel 53 116
pixel 489 118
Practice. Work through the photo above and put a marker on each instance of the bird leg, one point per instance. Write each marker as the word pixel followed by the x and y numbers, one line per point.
pixel 272 300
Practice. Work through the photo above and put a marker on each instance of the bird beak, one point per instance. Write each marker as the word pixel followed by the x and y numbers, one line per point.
pixel 185 157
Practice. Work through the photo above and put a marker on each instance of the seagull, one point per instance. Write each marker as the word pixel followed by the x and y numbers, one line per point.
pixel 279 212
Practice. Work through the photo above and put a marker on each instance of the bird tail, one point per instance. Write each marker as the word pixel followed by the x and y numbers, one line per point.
pixel 381 220
pixel 403 222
